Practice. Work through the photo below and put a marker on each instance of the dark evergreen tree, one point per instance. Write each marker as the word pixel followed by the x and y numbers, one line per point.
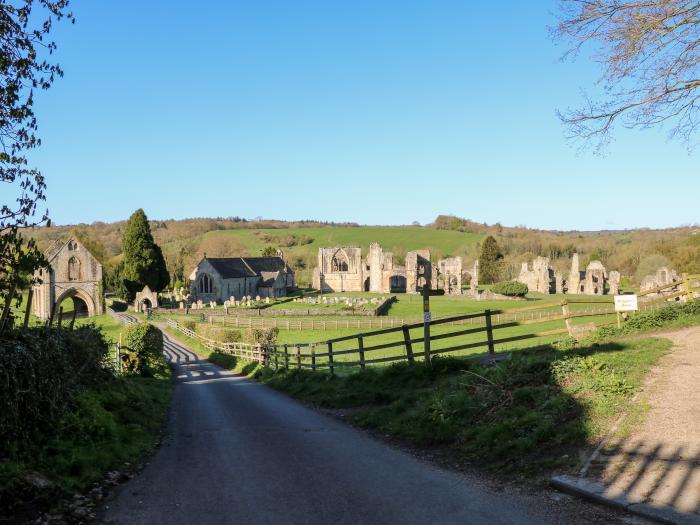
pixel 143 260
pixel 490 261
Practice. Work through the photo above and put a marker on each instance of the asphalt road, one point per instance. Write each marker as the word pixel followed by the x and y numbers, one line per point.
pixel 238 452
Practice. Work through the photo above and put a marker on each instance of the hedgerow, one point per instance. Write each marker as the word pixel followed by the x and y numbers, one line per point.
pixel 41 370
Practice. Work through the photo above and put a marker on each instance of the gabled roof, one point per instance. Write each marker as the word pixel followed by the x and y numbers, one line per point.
pixel 269 278
pixel 239 267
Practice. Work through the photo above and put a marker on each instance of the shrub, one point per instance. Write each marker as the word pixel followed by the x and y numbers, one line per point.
pixel 510 288
pixel 144 349
pixel 262 336
pixel 41 370
pixel 219 333
pixel 189 324
pixel 644 321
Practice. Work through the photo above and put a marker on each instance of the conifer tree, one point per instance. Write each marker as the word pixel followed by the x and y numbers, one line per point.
pixel 143 259
pixel 490 261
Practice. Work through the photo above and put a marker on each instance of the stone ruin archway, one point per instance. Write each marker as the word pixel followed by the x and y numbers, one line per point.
pixel 72 272
pixel 145 299
pixel 78 296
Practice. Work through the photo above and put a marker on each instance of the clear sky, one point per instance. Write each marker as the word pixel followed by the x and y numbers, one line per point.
pixel 377 112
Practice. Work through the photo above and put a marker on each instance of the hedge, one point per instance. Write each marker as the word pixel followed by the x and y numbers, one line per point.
pixel 41 371
pixel 219 333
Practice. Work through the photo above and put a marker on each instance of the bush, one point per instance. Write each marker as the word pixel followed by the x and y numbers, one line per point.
pixel 219 333
pixel 41 370
pixel 144 349
pixel 645 321
pixel 510 288
pixel 190 325
pixel 262 336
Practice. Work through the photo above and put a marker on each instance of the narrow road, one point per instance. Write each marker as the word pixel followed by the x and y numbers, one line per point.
pixel 238 452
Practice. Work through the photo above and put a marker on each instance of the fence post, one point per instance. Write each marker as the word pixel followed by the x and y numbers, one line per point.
pixel 313 357
pixel 277 366
pixel 286 357
pixel 567 317
pixel 361 351
pixel 330 358
pixel 407 343
pixel 489 331
pixel 298 357
pixel 688 288
pixel 29 307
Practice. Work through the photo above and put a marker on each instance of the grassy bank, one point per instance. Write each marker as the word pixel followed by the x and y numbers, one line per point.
pixel 104 422
pixel 527 414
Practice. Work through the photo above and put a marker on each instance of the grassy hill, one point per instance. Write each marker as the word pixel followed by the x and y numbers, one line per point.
pixel 635 253
pixel 300 245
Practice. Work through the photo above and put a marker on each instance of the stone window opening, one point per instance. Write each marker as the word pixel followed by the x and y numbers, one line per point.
pixel 73 269
pixel 205 284
pixel 339 264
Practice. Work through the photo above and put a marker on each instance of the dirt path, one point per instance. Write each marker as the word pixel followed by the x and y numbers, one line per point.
pixel 659 464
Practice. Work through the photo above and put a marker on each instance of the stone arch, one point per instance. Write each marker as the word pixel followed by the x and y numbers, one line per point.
pixel 75 292
pixel 145 299
pixel 340 262
pixel 397 283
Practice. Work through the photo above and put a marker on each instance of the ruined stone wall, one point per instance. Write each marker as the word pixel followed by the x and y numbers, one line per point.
pixel 330 274
pixel 450 275
pixel 540 278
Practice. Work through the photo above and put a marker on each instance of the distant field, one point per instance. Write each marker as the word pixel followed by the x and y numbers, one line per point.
pixel 397 239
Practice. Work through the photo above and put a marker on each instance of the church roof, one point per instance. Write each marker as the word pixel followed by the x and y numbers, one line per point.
pixel 239 267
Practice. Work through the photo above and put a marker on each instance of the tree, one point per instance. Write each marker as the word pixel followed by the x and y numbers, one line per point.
pixel 490 261
pixel 24 52
pixel 143 259
pixel 648 51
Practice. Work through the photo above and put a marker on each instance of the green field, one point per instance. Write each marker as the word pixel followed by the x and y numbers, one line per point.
pixel 303 243
pixel 398 238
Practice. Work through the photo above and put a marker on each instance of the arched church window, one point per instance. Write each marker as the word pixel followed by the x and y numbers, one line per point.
pixel 73 269
pixel 205 285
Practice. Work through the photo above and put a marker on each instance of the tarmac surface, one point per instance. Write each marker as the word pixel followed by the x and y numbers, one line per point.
pixel 237 451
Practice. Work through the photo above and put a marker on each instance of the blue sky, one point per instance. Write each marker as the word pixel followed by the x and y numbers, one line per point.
pixel 377 112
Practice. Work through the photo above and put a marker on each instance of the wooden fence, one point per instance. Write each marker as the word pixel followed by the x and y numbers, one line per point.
pixel 333 353
pixel 304 323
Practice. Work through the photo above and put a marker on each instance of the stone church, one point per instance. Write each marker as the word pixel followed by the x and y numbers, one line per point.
pixel 73 272
pixel 218 279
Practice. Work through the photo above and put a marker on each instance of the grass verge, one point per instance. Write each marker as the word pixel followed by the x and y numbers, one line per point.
pixel 529 414
pixel 114 423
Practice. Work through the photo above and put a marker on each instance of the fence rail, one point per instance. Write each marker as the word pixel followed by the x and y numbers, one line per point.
pixel 363 349
pixel 304 323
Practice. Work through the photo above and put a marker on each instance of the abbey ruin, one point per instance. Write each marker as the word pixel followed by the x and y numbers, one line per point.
pixel 541 277
pixel 343 269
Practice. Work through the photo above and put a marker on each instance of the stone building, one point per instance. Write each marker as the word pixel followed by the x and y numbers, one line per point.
pixel 540 278
pixel 573 283
pixel 595 280
pixel 145 299
pixel 662 277
pixel 339 269
pixel 450 275
pixel 342 269
pixel 220 279
pixel 73 272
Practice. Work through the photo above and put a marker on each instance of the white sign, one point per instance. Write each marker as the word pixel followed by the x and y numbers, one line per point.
pixel 626 303
pixel 427 317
